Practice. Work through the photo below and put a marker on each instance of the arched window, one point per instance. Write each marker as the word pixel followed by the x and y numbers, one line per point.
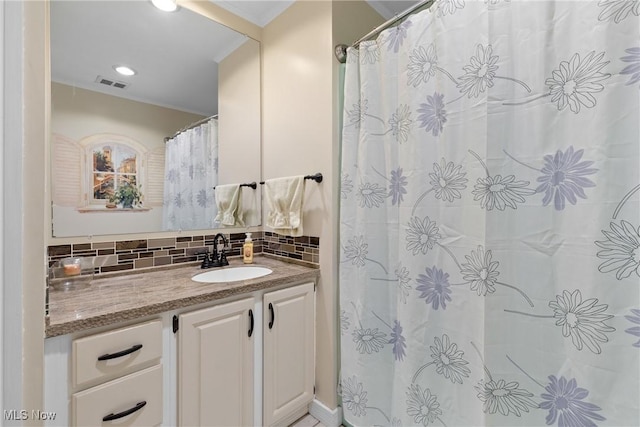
pixel 111 162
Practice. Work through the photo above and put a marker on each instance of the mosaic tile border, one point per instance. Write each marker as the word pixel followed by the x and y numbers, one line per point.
pixel 304 248
pixel 147 253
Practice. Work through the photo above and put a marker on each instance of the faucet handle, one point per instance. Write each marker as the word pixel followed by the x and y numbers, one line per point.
pixel 223 259
pixel 206 260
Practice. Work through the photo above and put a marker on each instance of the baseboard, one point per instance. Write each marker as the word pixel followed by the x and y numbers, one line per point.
pixel 291 419
pixel 326 416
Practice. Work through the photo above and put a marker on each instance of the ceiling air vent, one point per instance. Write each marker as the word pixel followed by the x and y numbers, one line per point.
pixel 110 82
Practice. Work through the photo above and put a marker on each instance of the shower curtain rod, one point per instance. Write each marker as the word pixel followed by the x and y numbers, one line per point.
pixel 396 18
pixel 341 49
pixel 191 126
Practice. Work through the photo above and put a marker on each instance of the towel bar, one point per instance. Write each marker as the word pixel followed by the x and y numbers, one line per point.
pixel 316 177
pixel 251 184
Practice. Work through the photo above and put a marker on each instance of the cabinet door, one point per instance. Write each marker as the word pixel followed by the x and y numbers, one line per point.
pixel 289 344
pixel 215 366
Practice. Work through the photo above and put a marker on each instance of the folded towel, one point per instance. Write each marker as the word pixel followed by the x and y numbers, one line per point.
pixel 284 201
pixel 229 203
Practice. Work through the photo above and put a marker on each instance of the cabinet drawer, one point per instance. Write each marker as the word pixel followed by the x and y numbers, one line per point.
pixel 121 396
pixel 122 350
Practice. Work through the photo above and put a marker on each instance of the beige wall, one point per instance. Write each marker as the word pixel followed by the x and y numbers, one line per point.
pixel 223 16
pixel 300 136
pixel 78 113
pixel 297 140
pixel 239 108
pixel 34 194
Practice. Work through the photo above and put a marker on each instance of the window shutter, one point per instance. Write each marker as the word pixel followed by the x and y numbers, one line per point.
pixel 155 177
pixel 66 172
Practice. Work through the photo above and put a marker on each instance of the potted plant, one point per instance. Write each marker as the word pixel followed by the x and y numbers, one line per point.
pixel 111 203
pixel 128 195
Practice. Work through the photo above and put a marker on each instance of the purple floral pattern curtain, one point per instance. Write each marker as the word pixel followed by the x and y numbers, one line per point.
pixel 490 217
pixel 191 172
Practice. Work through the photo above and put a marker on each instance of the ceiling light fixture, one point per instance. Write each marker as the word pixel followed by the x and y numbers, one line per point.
pixel 165 5
pixel 124 70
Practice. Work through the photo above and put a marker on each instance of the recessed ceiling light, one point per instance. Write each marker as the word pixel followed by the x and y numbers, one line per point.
pixel 165 5
pixel 124 70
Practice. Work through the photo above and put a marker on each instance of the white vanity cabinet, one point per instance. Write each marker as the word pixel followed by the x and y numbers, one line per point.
pixel 245 360
pixel 289 348
pixel 215 365
pixel 116 377
pixel 217 374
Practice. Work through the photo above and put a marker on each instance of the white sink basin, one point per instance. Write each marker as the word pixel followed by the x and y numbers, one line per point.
pixel 232 274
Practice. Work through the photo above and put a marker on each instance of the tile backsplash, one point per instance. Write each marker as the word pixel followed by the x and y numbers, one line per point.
pixel 144 253
pixel 304 248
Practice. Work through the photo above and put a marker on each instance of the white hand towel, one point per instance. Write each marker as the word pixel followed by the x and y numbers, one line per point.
pixel 229 205
pixel 284 200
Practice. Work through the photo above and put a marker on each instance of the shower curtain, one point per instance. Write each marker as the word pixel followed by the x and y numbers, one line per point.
pixel 490 221
pixel 191 172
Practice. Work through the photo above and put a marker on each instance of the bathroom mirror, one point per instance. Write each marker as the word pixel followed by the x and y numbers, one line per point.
pixel 109 130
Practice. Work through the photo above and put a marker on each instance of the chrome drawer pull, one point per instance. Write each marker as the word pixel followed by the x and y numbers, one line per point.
pixel 112 417
pixel 120 353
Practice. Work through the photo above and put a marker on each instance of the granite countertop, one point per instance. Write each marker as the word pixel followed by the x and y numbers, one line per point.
pixel 109 300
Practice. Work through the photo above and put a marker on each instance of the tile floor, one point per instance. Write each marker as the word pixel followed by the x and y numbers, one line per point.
pixel 307 421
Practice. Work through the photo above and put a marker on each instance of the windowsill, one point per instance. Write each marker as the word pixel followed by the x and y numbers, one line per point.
pixel 103 209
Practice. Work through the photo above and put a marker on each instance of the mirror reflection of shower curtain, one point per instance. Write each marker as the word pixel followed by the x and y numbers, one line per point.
pixel 191 172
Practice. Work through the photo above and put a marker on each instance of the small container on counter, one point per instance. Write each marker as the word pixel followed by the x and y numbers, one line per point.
pixel 71 273
pixel 247 250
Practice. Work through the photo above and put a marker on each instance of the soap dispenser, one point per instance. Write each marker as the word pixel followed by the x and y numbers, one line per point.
pixel 247 250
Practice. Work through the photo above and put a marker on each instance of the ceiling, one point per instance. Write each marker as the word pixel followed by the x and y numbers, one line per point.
pixel 176 55
pixel 263 12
